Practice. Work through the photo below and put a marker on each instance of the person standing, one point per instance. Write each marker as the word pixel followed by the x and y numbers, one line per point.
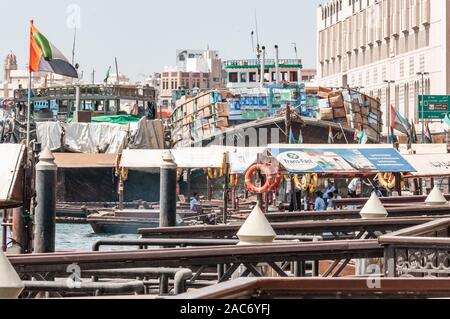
pixel 353 188
pixel 319 203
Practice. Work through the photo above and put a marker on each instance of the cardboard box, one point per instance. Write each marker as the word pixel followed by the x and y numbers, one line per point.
pixel 339 113
pixel 222 122
pixel 312 90
pixel 326 114
pixel 336 101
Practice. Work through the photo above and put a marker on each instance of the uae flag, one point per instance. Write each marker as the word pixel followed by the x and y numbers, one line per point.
pixel 399 123
pixel 45 57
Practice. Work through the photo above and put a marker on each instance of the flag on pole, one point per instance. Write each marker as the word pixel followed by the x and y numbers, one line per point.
pixel 428 136
pixel 108 73
pixel 447 121
pixel 399 123
pixel 300 137
pixel 45 57
pixel 414 138
pixel 330 136
pixel 363 138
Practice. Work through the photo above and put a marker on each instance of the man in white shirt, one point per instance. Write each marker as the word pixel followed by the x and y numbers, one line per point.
pixel 353 187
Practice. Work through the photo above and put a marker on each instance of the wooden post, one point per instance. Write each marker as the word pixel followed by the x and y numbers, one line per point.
pixel 188 186
pixel 288 123
pixel 398 183
pixel 209 188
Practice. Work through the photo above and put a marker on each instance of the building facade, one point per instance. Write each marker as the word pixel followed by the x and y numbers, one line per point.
pixel 380 46
pixel 242 74
pixel 195 69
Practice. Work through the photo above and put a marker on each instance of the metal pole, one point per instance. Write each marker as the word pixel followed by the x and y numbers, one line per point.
pixel 117 71
pixel 29 108
pixel 168 192
pixel 277 66
pixel 19 231
pixel 5 230
pixel 188 186
pixel 263 66
pixel 225 196
pixel 423 111
pixel 45 214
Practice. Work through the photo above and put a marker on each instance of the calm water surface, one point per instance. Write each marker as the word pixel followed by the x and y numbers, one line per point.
pixel 81 238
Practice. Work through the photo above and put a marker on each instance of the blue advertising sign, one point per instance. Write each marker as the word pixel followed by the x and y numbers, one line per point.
pixel 341 160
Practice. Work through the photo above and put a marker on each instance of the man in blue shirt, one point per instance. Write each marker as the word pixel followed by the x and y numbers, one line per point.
pixel 330 189
pixel 319 203
pixel 196 205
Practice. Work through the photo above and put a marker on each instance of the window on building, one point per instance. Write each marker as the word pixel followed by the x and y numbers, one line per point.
pixel 252 77
pixel 233 77
pixel 284 76
pixel 293 76
pixel 243 77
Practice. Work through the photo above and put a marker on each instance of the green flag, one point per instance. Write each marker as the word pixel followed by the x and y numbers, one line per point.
pixel 108 73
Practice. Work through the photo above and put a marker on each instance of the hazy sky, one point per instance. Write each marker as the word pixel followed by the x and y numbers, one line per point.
pixel 144 34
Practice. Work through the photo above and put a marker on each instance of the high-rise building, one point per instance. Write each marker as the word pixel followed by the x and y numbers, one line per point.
pixel 380 46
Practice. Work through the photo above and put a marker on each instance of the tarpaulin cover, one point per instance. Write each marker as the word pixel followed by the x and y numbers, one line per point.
pixel 100 137
pixel 340 159
pixel 184 158
pixel 115 119
pixel 430 165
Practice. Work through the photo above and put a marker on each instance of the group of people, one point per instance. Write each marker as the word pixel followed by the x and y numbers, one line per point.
pixel 325 200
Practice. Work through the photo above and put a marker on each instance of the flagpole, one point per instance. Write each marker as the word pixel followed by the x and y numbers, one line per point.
pixel 29 107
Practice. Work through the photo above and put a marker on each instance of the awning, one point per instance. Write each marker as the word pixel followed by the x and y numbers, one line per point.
pixel 424 149
pixel 11 173
pixel 76 160
pixel 340 159
pixel 201 157
pixel 241 158
pixel 429 165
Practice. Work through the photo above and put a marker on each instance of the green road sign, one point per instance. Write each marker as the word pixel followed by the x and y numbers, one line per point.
pixel 436 107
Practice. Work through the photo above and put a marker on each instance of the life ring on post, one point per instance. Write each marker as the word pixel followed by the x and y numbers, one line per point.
pixel 298 182
pixel 388 180
pixel 314 183
pixel 263 170
pixel 7 104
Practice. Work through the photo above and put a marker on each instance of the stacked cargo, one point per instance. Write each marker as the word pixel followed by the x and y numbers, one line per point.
pixel 197 117
pixel 349 108
pixel 201 115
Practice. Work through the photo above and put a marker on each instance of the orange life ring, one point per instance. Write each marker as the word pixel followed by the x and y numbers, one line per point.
pixel 264 170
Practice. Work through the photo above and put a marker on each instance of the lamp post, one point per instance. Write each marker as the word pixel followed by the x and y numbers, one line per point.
pixel 422 75
pixel 389 82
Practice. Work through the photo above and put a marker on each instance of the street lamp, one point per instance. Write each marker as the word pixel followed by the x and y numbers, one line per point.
pixel 389 82
pixel 422 75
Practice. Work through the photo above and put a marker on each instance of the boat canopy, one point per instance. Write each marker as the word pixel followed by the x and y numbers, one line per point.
pixel 188 158
pixel 11 175
pixel 429 165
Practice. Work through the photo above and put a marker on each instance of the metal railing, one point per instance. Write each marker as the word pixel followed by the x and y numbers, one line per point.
pixel 420 251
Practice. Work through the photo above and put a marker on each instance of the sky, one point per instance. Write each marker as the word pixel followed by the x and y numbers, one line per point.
pixel 144 35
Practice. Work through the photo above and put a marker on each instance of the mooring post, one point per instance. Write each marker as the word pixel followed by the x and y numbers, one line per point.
pixel 45 215
pixel 168 191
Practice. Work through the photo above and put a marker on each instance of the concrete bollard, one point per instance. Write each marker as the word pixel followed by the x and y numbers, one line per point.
pixel 436 197
pixel 45 214
pixel 256 229
pixel 373 209
pixel 168 194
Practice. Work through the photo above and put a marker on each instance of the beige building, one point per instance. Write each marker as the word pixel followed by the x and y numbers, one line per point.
pixel 195 70
pixel 382 45
pixel 14 79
